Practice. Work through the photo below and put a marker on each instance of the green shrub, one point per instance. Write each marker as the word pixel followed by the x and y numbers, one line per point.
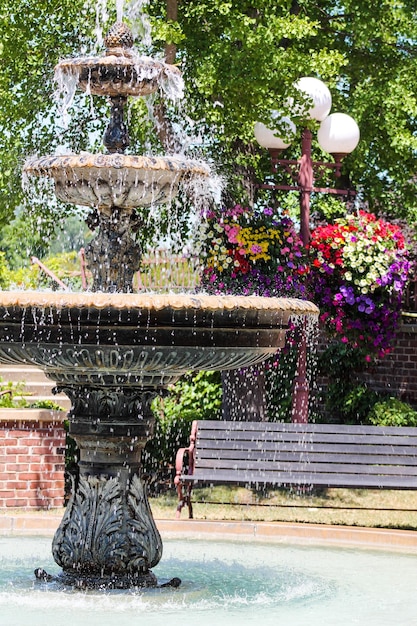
pixel 195 396
pixel 348 399
pixel 24 277
pixel 392 412
pixel 356 403
pixel 46 404
pixel 4 272
pixel 66 267
pixel 10 395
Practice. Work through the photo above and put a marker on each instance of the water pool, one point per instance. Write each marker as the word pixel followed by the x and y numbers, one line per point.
pixel 224 583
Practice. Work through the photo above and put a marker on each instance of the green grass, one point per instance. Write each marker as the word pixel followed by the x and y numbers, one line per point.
pixel 348 507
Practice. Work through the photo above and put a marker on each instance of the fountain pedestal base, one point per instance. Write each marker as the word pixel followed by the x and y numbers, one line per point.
pixel 107 537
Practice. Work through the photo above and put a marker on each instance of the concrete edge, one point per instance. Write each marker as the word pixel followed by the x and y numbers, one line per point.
pixel 32 415
pixel 27 524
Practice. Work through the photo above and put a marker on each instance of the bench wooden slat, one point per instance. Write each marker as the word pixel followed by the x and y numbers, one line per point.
pixel 308 448
pixel 313 457
pixel 307 438
pixel 222 425
pixel 306 478
pixel 324 467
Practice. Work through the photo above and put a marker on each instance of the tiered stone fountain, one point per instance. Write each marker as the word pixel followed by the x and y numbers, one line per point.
pixel 110 350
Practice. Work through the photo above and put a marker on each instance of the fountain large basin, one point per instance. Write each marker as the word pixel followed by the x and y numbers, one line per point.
pixel 148 340
pixel 111 353
pixel 224 583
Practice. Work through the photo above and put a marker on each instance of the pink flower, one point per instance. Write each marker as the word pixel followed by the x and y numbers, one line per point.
pixel 232 233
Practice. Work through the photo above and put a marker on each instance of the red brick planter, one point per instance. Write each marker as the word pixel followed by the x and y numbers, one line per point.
pixel 32 458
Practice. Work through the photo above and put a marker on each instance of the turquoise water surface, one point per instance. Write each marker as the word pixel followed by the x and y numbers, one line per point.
pixel 224 583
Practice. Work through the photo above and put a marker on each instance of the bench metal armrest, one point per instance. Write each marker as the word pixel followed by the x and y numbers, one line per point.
pixel 185 498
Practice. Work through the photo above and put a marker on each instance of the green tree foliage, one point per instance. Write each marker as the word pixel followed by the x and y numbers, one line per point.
pixel 31 34
pixel 240 60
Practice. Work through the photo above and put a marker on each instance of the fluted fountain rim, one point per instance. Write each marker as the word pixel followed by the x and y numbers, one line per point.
pixel 152 301
pixel 47 165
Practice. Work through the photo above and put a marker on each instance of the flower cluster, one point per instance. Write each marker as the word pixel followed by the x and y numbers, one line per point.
pixel 252 252
pixel 359 268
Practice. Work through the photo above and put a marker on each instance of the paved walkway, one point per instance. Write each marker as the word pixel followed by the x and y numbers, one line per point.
pixel 45 523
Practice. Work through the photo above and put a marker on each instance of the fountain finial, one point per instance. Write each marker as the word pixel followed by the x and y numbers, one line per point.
pixel 119 36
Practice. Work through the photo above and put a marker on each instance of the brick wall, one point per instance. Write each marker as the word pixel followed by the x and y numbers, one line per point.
pixel 397 373
pixel 32 448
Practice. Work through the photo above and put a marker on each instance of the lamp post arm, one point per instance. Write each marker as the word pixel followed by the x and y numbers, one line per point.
pixel 305 183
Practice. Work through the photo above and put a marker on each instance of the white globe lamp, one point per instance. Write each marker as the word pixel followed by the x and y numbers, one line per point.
pixel 268 138
pixel 319 94
pixel 338 134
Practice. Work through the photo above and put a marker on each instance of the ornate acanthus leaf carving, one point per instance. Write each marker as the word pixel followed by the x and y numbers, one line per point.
pixel 91 538
pixel 141 528
pixel 112 403
pixel 106 531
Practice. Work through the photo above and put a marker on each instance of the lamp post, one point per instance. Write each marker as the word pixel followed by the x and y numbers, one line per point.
pixel 338 134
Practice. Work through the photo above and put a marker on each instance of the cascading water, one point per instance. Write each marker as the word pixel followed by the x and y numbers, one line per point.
pixel 111 351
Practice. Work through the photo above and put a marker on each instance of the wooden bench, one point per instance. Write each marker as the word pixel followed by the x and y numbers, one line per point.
pixel 272 454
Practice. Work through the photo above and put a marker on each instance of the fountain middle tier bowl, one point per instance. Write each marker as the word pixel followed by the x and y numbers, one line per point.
pixel 115 180
pixel 140 339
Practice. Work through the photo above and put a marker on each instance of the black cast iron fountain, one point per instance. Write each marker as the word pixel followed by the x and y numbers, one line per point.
pixel 110 350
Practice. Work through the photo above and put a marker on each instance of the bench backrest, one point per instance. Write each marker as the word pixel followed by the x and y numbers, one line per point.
pixel 257 453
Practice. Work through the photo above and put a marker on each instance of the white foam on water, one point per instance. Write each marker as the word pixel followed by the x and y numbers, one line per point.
pixel 224 583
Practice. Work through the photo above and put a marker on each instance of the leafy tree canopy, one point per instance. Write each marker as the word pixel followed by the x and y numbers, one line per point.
pixel 31 33
pixel 240 60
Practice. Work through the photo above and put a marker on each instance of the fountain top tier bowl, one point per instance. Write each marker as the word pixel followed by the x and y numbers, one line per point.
pixel 121 71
